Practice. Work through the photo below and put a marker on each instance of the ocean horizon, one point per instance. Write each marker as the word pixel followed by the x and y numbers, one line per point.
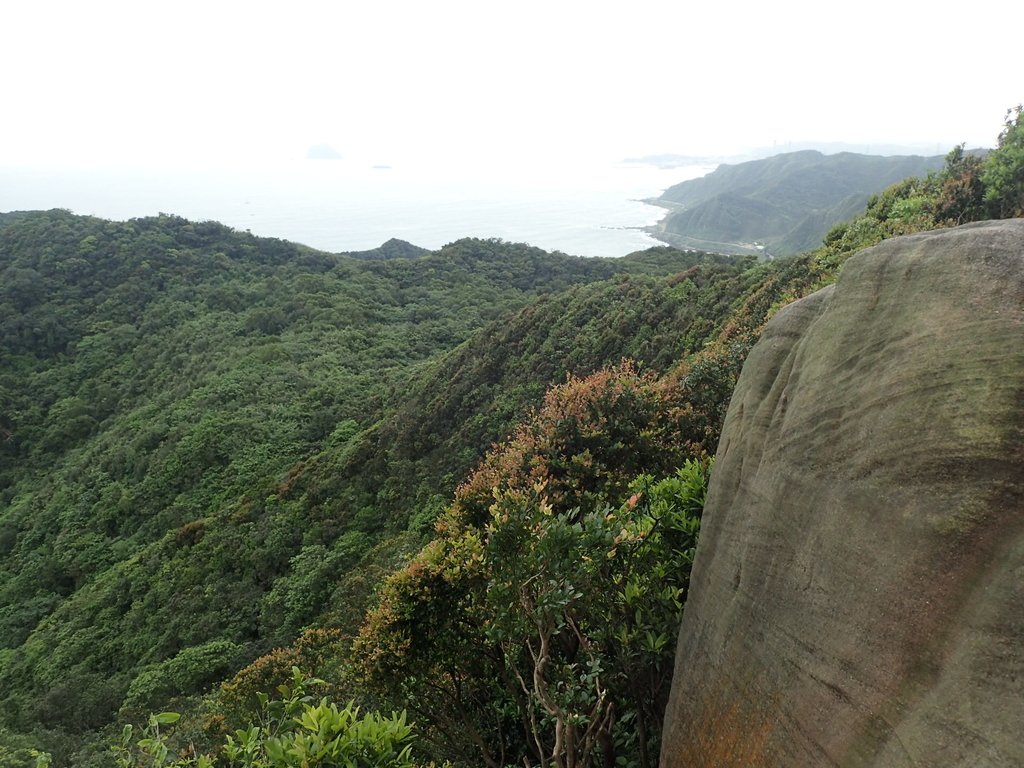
pixel 339 205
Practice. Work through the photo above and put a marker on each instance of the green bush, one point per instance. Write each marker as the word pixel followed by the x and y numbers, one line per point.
pixel 292 732
pixel 188 672
pixel 1003 173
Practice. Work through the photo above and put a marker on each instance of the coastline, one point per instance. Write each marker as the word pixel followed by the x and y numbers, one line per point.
pixel 340 206
pixel 689 243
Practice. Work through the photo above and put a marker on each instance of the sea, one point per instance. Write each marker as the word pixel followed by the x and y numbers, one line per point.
pixel 583 209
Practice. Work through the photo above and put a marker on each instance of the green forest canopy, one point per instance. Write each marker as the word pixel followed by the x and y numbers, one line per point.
pixel 214 448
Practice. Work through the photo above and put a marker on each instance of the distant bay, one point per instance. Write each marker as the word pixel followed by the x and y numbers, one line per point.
pixel 336 205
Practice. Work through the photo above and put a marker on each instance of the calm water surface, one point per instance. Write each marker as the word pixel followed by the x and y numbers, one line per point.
pixel 341 206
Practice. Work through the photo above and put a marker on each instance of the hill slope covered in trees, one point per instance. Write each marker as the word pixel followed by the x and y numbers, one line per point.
pixel 207 436
pixel 785 202
pixel 223 456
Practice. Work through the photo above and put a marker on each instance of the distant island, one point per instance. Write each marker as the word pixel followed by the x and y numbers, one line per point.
pixel 322 152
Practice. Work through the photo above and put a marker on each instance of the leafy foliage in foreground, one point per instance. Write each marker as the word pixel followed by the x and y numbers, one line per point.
pixel 490 632
pixel 294 731
pixel 540 624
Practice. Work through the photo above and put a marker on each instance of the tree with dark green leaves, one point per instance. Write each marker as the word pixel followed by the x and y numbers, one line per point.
pixel 540 624
pixel 1003 175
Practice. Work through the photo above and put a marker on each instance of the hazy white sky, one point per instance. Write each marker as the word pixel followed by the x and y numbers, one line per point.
pixel 144 82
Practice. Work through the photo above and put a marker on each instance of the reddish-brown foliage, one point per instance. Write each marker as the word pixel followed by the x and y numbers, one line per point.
pixel 589 439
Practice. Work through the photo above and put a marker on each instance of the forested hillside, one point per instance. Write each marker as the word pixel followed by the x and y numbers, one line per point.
pixel 785 203
pixel 206 435
pixel 223 456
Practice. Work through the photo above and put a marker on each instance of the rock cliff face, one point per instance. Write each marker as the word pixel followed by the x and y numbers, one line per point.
pixel 858 593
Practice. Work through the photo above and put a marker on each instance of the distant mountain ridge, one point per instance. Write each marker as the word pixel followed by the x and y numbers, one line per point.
pixel 785 203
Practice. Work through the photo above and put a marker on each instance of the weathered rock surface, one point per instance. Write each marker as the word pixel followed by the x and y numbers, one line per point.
pixel 858 593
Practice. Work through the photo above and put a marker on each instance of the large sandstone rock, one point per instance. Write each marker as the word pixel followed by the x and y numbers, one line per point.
pixel 858 593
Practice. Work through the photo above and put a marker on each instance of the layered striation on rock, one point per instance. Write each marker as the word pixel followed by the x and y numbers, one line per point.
pixel 858 592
